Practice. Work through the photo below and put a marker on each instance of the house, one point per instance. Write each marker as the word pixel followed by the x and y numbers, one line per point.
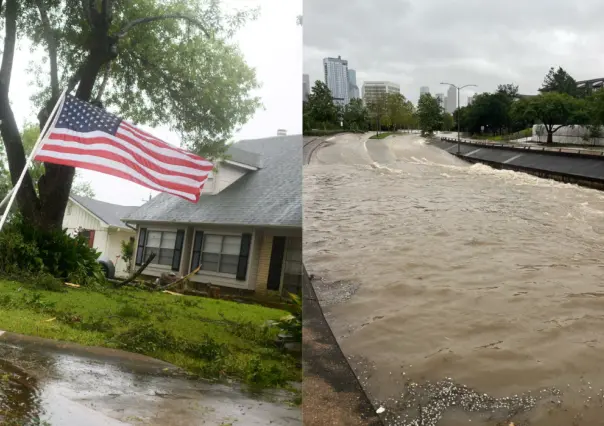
pixel 100 223
pixel 246 230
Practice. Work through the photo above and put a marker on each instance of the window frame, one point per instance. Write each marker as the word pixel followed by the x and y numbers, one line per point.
pixel 155 264
pixel 222 235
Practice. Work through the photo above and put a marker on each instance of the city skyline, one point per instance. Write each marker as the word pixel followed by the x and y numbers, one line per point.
pixel 335 73
pixel 465 96
pixel 464 59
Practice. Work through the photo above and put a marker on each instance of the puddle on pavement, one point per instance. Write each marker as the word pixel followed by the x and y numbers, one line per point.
pixel 19 397
pixel 51 389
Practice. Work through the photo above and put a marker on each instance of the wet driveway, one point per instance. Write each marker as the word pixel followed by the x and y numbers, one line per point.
pixel 42 386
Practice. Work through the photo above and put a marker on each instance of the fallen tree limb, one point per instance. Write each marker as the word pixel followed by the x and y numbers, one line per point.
pixel 186 277
pixel 138 272
pixel 72 285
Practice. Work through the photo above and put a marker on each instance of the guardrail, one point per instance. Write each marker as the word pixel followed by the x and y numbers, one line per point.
pixel 575 151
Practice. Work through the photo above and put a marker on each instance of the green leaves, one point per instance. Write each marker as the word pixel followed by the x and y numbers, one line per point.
pixel 183 73
pixel 558 80
pixel 355 115
pixel 320 108
pixel 429 114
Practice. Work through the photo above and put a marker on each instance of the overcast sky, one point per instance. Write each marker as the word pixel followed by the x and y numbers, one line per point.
pixel 423 42
pixel 278 64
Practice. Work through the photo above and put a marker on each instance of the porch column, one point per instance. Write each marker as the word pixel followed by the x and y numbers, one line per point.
pixel 185 260
pixel 264 261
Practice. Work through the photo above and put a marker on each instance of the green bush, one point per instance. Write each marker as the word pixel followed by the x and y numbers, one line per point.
pixel 27 251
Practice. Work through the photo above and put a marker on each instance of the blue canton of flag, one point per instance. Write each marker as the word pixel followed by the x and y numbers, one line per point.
pixel 83 117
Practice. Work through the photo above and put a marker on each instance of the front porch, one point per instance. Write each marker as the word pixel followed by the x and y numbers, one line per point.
pixel 257 260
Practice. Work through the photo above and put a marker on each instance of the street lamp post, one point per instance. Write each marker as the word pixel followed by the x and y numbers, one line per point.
pixel 458 117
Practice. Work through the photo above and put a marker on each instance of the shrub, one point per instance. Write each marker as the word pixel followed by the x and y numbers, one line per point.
pixel 26 250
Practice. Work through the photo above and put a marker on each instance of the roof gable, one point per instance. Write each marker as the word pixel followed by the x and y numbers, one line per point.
pixel 108 213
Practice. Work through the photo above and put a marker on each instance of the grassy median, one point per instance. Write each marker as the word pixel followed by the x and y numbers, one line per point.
pixel 382 135
pixel 207 337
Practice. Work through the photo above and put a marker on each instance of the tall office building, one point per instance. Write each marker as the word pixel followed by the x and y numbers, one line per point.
pixel 353 89
pixel 440 98
pixel 336 78
pixel 372 90
pixel 470 99
pixel 305 87
pixel 451 105
pixel 423 90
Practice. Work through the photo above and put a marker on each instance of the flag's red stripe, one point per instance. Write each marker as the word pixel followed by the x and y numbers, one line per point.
pixel 155 141
pixel 110 171
pixel 193 158
pixel 90 140
pixel 154 165
pixel 130 164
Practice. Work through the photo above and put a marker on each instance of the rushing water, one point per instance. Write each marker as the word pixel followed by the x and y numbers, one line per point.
pixel 459 291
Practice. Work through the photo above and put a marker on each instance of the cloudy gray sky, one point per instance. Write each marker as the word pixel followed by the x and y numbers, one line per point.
pixel 424 42
pixel 278 64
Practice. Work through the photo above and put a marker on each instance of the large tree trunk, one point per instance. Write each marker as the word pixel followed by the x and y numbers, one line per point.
pixel 54 186
pixel 550 137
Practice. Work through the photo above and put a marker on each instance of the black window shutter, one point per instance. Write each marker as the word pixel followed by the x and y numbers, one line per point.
pixel 140 250
pixel 196 258
pixel 180 239
pixel 244 254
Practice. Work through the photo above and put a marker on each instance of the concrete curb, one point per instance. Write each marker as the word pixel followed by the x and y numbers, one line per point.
pixel 569 167
pixel 329 379
pixel 564 151
pixel 130 360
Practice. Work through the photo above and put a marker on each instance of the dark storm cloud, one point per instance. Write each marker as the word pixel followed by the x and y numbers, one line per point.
pixel 423 42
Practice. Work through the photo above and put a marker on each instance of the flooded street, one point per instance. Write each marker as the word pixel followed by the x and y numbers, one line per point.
pixel 39 387
pixel 460 293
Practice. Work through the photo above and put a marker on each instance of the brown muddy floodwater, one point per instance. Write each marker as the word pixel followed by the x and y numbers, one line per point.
pixel 460 293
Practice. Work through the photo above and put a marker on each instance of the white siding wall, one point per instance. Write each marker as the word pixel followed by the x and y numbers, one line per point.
pixel 76 216
pixel 226 176
pixel 106 241
pixel 114 249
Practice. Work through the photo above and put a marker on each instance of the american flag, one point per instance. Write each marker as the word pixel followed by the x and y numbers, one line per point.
pixel 88 137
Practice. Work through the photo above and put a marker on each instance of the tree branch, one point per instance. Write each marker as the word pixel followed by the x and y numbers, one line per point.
pixel 104 82
pixel 10 40
pixel 87 11
pixel 15 153
pixel 52 49
pixel 106 10
pixel 140 21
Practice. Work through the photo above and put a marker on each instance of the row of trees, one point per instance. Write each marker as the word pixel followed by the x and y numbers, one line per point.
pixel 559 103
pixel 387 112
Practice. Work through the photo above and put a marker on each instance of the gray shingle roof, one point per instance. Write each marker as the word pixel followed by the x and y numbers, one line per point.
pixel 109 213
pixel 270 196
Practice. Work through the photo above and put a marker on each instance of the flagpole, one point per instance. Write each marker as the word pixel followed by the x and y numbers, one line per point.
pixel 15 189
pixel 5 200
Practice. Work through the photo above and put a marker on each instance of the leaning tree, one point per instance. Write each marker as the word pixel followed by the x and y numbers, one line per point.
pixel 154 62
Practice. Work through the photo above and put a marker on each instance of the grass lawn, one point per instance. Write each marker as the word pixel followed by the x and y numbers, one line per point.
pixel 382 135
pixel 207 337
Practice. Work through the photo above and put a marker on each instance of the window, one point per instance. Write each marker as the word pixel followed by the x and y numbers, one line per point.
pixel 68 209
pixel 88 235
pixel 220 253
pixel 162 244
